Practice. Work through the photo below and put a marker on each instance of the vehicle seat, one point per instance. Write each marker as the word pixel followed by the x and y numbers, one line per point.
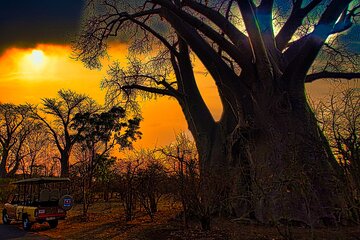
pixel 54 195
pixel 64 192
pixel 44 195
pixel 28 200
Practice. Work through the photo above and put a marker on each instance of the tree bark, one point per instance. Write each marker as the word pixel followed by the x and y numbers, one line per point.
pixel 276 167
pixel 292 177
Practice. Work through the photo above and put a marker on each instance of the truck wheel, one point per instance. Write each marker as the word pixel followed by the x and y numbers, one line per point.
pixel 53 223
pixel 26 223
pixel 5 218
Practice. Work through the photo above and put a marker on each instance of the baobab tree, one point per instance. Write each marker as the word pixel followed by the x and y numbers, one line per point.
pixel 57 115
pixel 260 54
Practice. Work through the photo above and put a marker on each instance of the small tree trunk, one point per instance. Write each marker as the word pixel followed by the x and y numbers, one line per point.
pixel 205 223
pixel 153 204
pixel 85 199
pixel 4 157
pixel 2 171
pixel 64 164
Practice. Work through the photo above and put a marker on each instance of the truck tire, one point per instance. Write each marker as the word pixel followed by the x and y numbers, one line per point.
pixel 5 217
pixel 26 223
pixel 53 223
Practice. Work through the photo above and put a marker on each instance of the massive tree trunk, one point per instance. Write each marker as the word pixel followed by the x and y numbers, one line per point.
pixel 274 165
pixel 266 156
pixel 292 175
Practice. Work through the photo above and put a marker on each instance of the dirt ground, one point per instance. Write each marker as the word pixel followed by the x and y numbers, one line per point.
pixel 106 221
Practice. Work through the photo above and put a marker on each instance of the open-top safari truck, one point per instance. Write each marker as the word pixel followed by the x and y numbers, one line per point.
pixel 44 199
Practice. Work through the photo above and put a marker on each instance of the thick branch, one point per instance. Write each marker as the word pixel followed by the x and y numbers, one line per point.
pixel 164 83
pixel 195 110
pixel 238 56
pixel 219 70
pixel 299 66
pixel 264 16
pixel 237 37
pixel 149 89
pixel 325 74
pixel 261 57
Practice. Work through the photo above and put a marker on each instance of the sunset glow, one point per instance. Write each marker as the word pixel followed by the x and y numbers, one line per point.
pixel 181 119
pixel 33 74
pixel 34 61
pixel 37 57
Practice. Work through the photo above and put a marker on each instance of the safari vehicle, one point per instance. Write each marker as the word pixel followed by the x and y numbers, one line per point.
pixel 44 199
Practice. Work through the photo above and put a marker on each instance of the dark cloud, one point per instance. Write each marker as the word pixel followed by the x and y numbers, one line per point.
pixel 24 23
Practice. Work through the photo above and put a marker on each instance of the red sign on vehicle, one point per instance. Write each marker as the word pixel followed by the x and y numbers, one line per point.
pixel 67 202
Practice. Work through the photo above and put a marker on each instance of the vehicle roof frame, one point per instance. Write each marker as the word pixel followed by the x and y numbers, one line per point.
pixel 41 180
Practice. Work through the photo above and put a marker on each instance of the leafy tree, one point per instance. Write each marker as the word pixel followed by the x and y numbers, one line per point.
pixel 98 133
pixel 57 115
pixel 267 135
pixel 95 128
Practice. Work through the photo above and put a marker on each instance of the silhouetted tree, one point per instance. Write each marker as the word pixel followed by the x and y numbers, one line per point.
pixel 57 115
pixel 182 156
pixel 127 184
pixel 15 128
pixel 340 119
pixel 28 146
pixel 267 133
pixel 36 144
pixel 150 184
pixel 98 134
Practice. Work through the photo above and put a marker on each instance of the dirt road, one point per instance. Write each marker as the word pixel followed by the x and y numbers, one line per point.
pixel 14 232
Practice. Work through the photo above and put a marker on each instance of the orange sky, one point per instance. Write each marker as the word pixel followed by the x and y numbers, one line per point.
pixel 27 76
